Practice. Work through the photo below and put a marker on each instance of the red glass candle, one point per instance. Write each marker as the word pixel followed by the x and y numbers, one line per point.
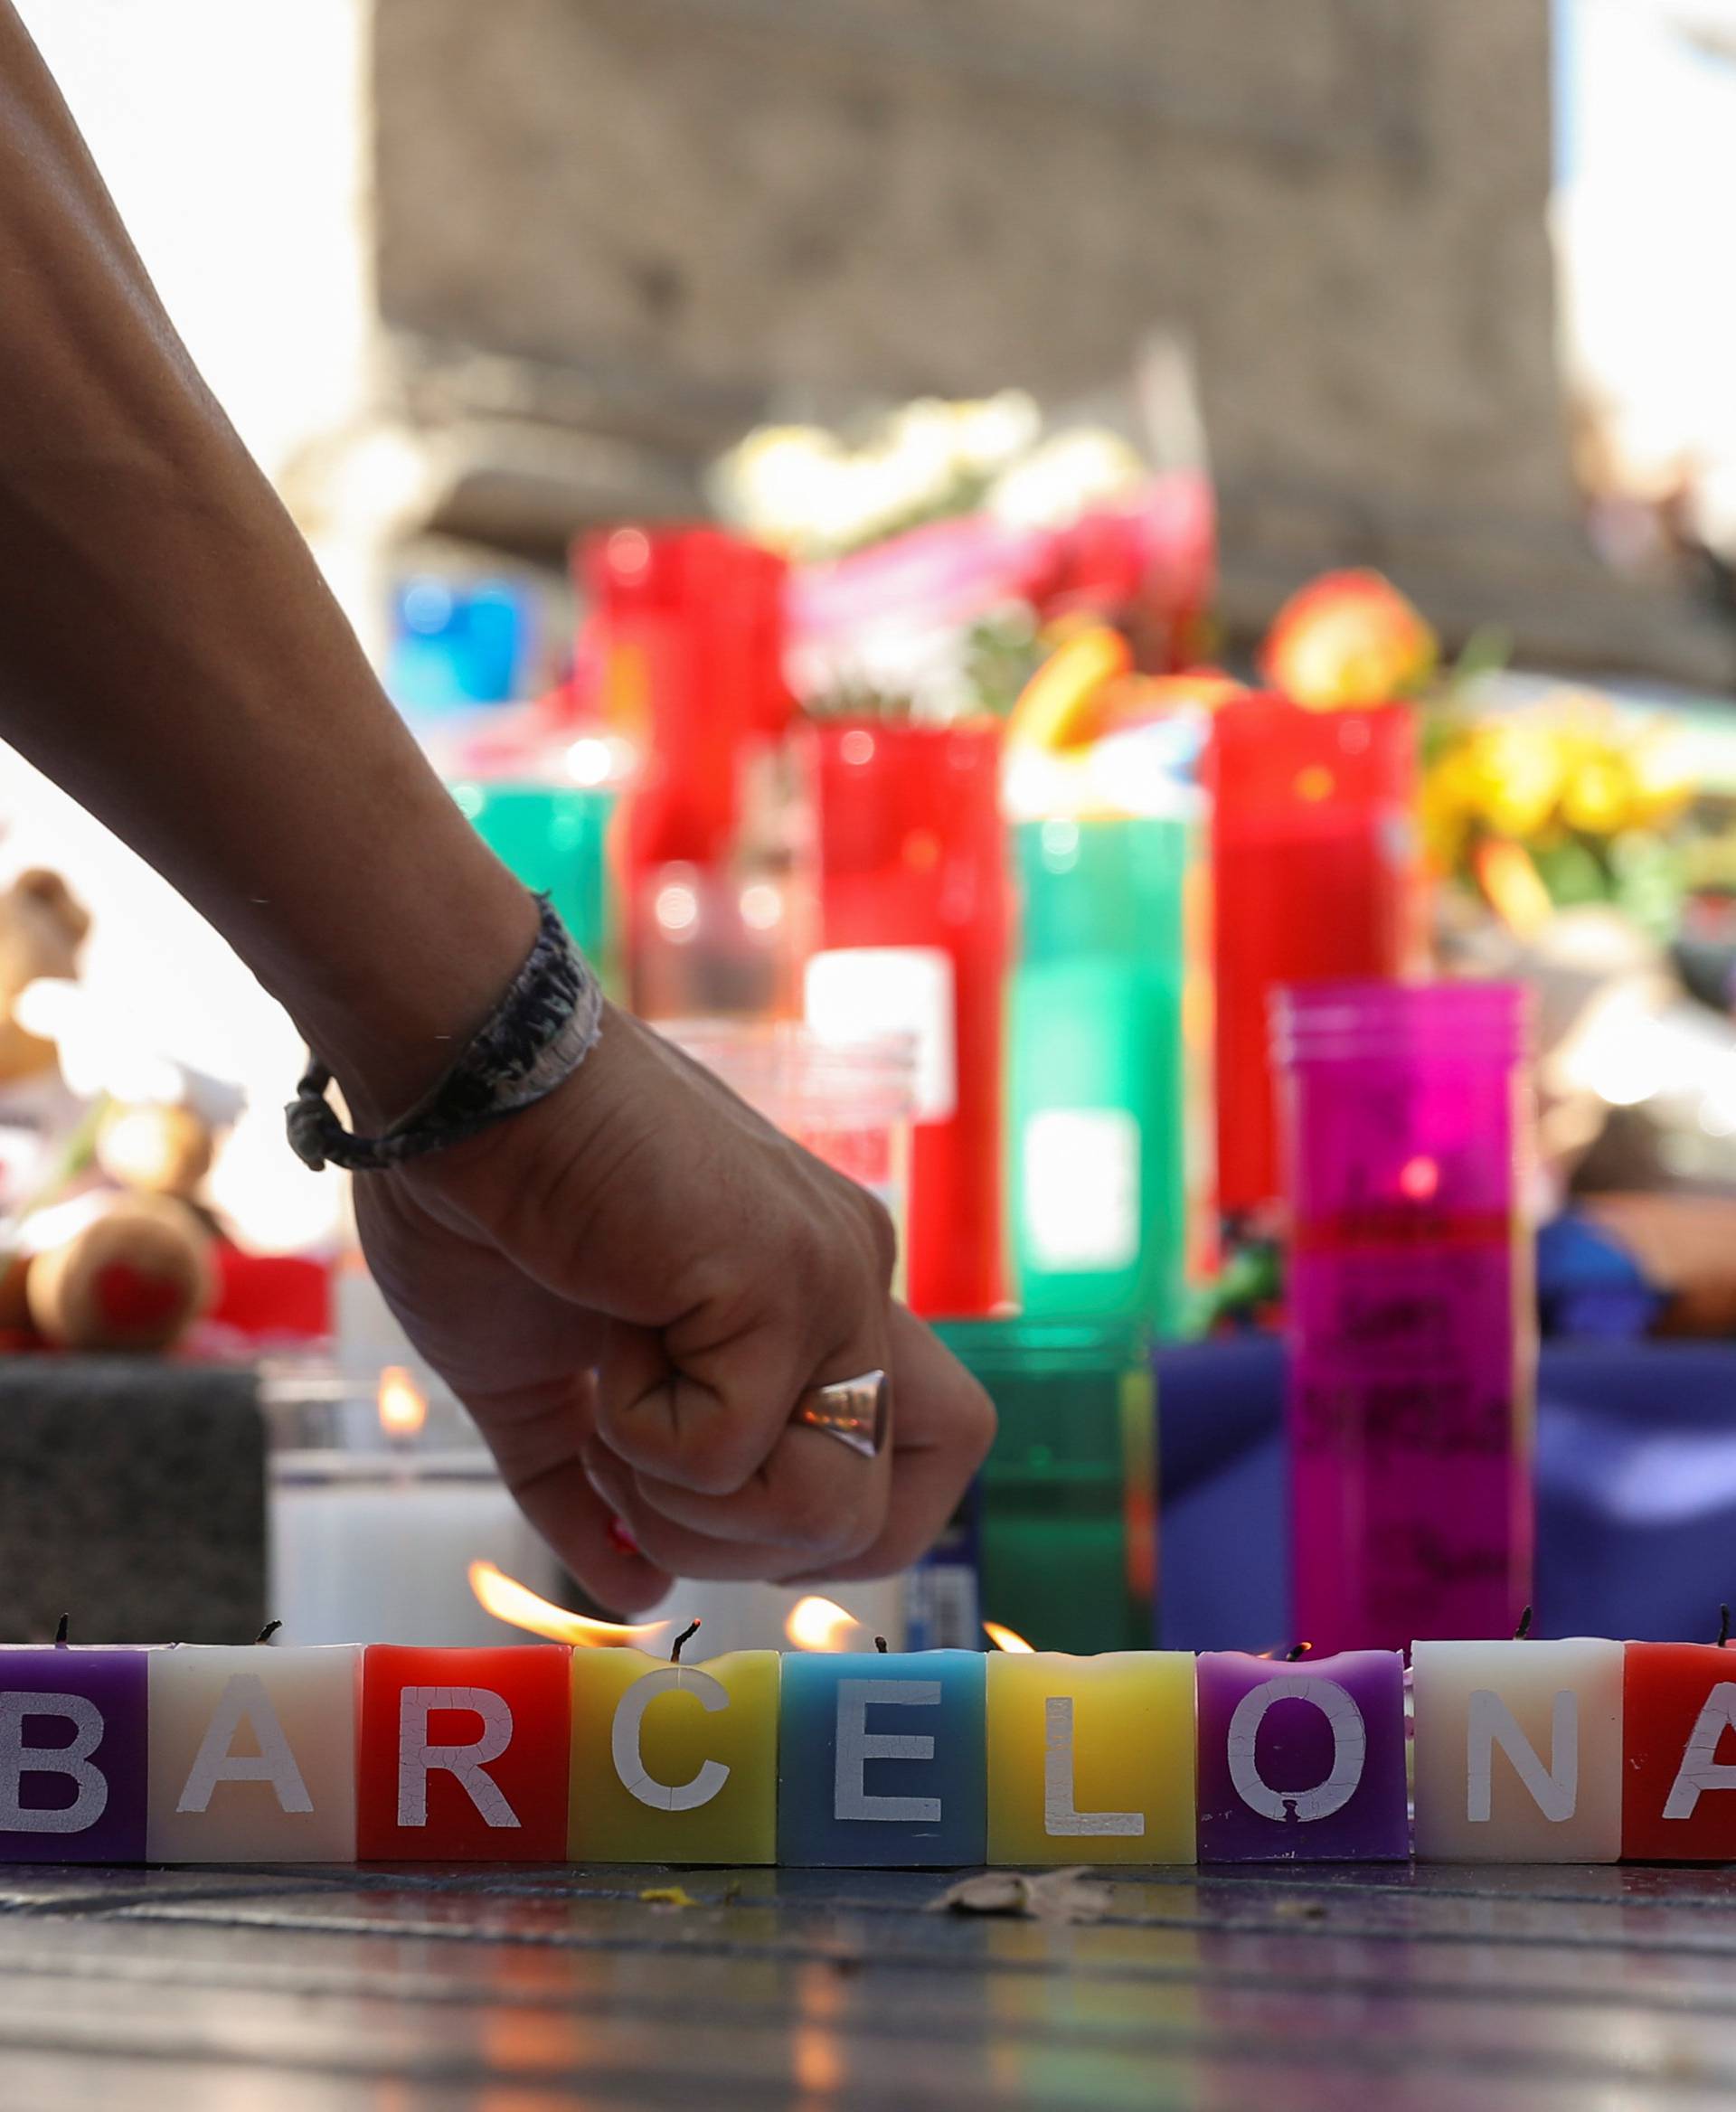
pixel 1678 1735
pixel 1314 874
pixel 913 936
pixel 463 1754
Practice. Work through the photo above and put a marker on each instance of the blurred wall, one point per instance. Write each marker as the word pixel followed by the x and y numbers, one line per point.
pixel 659 218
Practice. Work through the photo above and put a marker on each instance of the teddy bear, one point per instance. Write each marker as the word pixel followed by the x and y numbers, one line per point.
pixel 102 1243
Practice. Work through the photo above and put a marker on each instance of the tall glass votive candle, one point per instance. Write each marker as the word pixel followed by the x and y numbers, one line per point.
pixel 914 910
pixel 1313 876
pixel 1411 1337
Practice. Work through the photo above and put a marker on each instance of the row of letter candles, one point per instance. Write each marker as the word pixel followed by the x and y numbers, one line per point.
pixel 1581 1751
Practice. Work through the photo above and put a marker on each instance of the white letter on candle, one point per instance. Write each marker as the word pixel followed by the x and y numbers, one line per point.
pixel 1349 1749
pixel 18 1759
pixel 417 1759
pixel 245 1696
pixel 1058 1813
pixel 624 1739
pixel 1701 1768
pixel 856 1743
pixel 1489 1723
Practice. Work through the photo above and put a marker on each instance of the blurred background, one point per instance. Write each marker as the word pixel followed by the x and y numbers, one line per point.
pixel 969 543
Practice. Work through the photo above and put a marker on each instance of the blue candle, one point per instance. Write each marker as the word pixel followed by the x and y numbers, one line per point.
pixel 880 1760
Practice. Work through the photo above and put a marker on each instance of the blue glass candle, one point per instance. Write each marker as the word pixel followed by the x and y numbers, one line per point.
pixel 882 1760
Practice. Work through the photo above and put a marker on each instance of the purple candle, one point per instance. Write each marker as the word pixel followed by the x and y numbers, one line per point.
pixel 1411 1337
pixel 1302 1762
pixel 73 1755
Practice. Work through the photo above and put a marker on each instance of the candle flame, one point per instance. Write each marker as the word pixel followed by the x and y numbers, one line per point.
pixel 1007 1639
pixel 403 1405
pixel 820 1623
pixel 520 1607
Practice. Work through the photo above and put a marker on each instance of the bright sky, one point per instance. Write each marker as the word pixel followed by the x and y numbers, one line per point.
pixel 1646 152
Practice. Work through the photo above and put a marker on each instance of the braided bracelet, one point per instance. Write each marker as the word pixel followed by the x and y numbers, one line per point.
pixel 539 1034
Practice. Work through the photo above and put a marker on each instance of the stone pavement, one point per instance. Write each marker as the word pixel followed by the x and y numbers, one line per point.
pixel 525 1989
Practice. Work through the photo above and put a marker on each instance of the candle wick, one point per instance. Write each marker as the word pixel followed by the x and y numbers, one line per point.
pixel 1724 1626
pixel 686 1636
pixel 268 1631
pixel 880 1644
pixel 63 1631
pixel 1297 1650
pixel 1524 1629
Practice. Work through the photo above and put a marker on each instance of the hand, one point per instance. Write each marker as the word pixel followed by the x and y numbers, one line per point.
pixel 629 1286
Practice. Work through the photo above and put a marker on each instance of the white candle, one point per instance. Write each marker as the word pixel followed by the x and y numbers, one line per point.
pixel 252 1755
pixel 1518 1752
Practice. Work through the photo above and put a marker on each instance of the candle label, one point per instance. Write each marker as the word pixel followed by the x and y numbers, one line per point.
pixel 1080 1206
pixel 857 992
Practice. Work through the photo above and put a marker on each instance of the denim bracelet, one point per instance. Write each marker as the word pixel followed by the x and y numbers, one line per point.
pixel 539 1034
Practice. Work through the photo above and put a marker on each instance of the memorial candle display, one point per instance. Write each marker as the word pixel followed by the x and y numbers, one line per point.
pixel 1411 1333
pixel 1575 1752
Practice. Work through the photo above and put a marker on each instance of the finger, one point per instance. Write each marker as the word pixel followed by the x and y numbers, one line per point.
pixel 678 1548
pixel 561 1503
pixel 945 1427
pixel 702 1414
pixel 813 1496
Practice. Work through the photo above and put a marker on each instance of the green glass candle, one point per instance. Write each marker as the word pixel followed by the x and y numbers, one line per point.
pixel 554 837
pixel 1098 1073
pixel 1068 1511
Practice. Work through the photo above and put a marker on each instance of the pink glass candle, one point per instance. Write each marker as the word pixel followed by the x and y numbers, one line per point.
pixel 1302 1762
pixel 1411 1338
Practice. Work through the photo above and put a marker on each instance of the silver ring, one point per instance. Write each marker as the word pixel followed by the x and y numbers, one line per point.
pixel 855 1412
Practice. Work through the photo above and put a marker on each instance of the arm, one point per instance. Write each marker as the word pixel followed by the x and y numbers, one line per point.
pixel 629 1283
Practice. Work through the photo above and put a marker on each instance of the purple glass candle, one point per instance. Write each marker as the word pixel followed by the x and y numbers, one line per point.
pixel 73 1755
pixel 1303 1762
pixel 1412 1347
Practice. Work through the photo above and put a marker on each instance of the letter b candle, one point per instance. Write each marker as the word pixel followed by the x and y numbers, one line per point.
pixel 73 1755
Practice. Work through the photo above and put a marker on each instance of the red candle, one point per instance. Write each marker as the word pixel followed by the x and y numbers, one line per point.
pixel 463 1754
pixel 1679 1736
pixel 1312 869
pixel 914 924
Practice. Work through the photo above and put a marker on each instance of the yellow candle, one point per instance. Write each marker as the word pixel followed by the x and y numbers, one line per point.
pixel 253 1754
pixel 673 1763
pixel 1518 1752
pixel 1091 1760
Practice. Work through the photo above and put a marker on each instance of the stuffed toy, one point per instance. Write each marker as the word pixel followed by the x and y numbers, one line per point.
pixel 102 1243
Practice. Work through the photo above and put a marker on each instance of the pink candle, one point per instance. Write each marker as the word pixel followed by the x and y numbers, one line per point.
pixel 1411 1336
